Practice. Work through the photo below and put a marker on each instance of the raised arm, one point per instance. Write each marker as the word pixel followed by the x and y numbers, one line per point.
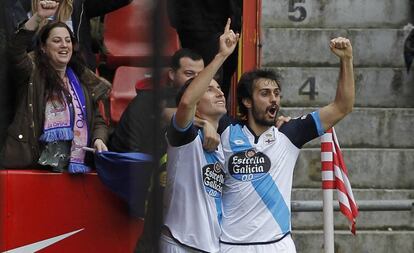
pixel 95 8
pixel 345 92
pixel 45 9
pixel 18 57
pixel 187 106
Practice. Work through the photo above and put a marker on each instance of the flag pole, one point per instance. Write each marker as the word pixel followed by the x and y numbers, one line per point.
pixel 328 225
pixel 328 186
pixel 335 176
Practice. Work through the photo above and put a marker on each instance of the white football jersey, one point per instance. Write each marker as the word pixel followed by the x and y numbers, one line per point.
pixel 192 197
pixel 258 184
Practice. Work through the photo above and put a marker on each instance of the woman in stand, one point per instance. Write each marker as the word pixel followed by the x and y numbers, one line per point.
pixel 57 112
pixel 77 14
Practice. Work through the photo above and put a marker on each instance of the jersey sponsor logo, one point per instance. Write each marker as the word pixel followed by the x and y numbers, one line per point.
pixel 213 179
pixel 238 142
pixel 248 165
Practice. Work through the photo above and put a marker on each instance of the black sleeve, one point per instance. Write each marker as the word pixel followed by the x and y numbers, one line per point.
pixel 135 130
pixel 172 12
pixel 179 138
pixel 21 62
pixel 236 10
pixel 26 4
pixel 95 8
pixel 300 130
pixel 224 122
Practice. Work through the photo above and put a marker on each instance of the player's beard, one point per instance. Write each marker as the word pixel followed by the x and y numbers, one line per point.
pixel 260 117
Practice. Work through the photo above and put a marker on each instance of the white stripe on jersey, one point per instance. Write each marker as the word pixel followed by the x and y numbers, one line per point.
pixel 257 210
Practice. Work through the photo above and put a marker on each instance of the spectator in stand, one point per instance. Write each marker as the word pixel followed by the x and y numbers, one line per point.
pixel 199 24
pixel 409 43
pixel 57 114
pixel 77 14
pixel 409 50
pixel 133 132
pixel 11 14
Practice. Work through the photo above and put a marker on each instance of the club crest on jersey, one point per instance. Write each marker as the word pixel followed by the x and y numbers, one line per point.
pixel 248 165
pixel 213 179
pixel 238 142
pixel 269 138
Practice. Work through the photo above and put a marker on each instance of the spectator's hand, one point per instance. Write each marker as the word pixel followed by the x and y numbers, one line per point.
pixel 341 47
pixel 47 8
pixel 99 145
pixel 281 120
pixel 228 40
pixel 211 137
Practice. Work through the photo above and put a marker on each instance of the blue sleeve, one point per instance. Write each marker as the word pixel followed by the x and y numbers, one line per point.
pixel 179 129
pixel 318 122
pixel 302 130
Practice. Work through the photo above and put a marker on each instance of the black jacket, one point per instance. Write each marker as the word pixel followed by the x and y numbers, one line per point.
pixel 83 11
pixel 204 15
pixel 11 14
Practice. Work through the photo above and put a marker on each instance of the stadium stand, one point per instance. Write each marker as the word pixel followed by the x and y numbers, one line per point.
pixel 127 82
pixel 128 36
pixel 123 89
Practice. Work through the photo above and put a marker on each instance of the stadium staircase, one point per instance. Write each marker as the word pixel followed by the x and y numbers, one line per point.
pixel 376 139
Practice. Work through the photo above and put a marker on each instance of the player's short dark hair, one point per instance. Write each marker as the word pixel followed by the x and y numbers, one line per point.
pixel 181 53
pixel 246 82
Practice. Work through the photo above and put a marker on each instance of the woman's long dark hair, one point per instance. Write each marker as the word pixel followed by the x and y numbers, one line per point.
pixel 54 85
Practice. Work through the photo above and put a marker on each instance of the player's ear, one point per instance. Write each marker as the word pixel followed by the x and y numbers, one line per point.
pixel 247 102
pixel 171 74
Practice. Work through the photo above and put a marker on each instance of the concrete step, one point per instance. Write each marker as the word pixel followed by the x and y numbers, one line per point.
pixel 362 194
pixel 363 242
pixel 369 127
pixel 338 14
pixel 310 47
pixel 369 220
pixel 368 168
pixel 379 220
pixel 375 87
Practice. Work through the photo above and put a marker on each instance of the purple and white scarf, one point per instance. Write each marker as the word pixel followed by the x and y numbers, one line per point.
pixel 69 122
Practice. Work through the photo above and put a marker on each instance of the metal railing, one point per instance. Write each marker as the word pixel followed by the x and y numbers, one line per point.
pixel 363 205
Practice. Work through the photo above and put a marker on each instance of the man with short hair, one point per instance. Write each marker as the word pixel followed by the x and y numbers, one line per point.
pixel 260 158
pixel 192 198
pixel 185 64
pixel 136 126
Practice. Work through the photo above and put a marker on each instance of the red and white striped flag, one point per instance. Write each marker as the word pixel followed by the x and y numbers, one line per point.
pixel 335 176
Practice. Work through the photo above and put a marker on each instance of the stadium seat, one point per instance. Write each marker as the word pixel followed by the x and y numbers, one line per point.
pixel 127 82
pixel 123 88
pixel 128 37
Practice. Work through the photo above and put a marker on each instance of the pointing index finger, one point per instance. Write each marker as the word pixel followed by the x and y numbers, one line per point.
pixel 227 27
